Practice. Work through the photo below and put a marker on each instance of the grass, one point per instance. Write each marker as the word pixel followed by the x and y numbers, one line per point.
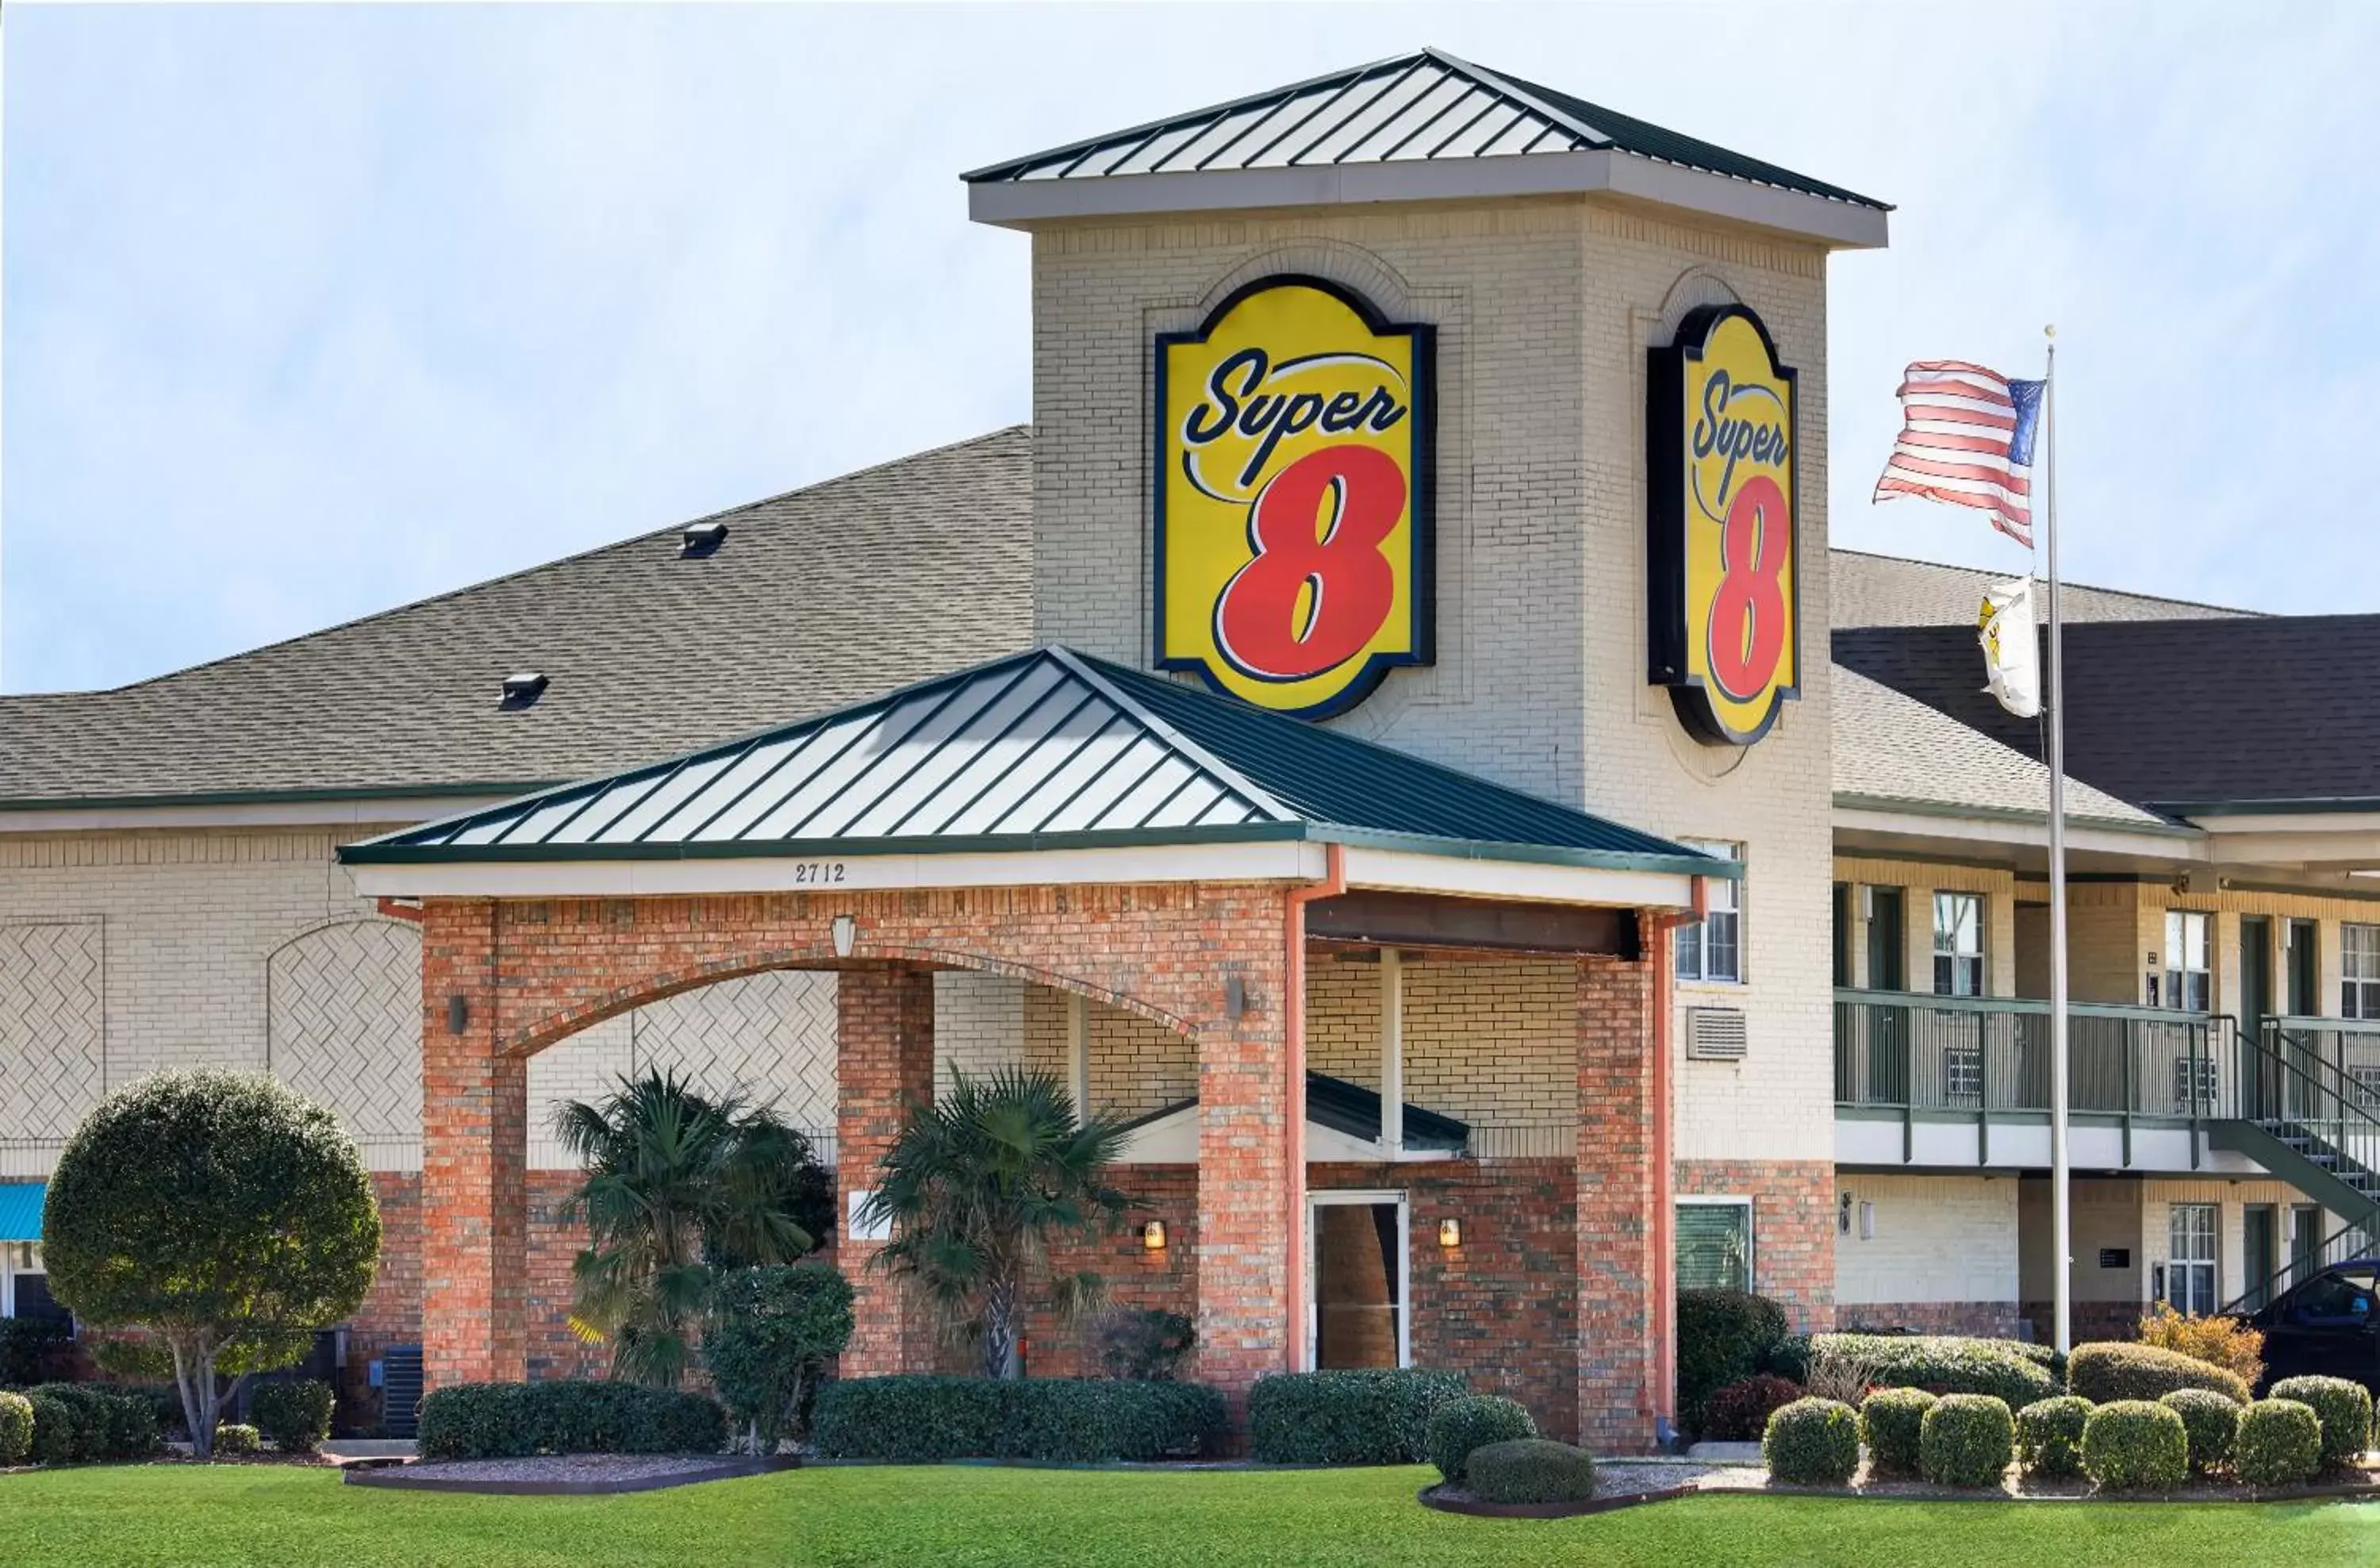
pixel 961 1516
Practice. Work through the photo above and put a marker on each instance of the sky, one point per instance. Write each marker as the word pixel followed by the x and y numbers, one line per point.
pixel 307 311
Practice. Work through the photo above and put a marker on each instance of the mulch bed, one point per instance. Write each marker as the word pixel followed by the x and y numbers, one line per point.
pixel 573 1475
pixel 1617 1485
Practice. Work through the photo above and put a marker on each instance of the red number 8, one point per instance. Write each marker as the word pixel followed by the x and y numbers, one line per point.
pixel 1319 524
pixel 1747 617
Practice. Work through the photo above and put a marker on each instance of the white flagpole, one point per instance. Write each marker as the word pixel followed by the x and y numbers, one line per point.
pixel 2062 1237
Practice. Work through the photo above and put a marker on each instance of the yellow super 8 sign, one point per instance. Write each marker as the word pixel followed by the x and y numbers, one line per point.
pixel 1293 498
pixel 1725 598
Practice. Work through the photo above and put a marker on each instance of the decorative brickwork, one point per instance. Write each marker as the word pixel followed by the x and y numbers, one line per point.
pixel 1792 1228
pixel 2089 1320
pixel 1987 1319
pixel 885 1064
pixel 1614 1240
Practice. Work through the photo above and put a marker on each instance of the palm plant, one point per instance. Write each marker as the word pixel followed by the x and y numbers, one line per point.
pixel 977 1187
pixel 677 1183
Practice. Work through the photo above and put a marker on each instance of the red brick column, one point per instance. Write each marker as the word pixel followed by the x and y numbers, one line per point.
pixel 1617 1295
pixel 884 1062
pixel 474 1157
pixel 1244 1176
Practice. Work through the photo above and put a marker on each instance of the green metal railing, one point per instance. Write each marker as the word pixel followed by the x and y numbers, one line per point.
pixel 1907 1051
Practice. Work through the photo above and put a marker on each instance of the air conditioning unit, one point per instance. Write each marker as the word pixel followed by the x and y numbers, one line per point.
pixel 1715 1034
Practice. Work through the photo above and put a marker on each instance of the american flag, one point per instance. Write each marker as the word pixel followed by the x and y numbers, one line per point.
pixel 1966 437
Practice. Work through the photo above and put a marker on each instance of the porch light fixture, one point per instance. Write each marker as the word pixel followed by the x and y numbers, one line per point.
pixel 847 933
pixel 1152 1236
pixel 1449 1233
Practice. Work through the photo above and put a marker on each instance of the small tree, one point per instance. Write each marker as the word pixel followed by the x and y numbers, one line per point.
pixel 220 1212
pixel 678 1183
pixel 978 1185
pixel 767 1334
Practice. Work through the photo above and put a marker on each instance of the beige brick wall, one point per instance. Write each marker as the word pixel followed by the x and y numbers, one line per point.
pixel 1920 881
pixel 1544 310
pixel 1938 1238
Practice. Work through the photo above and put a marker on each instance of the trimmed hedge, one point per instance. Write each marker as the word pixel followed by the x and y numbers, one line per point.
pixel 2280 1444
pixel 1369 1418
pixel 82 1423
pixel 514 1420
pixel 2049 1435
pixel 926 1419
pixel 2133 1445
pixel 2343 1408
pixel 1811 1442
pixel 1531 1470
pixel 2015 1373
pixel 16 1427
pixel 295 1416
pixel 1892 1423
pixel 54 1429
pixel 2109 1372
pixel 237 1437
pixel 1724 1336
pixel 2211 1423
pixel 1740 1411
pixel 1967 1440
pixel 1459 1427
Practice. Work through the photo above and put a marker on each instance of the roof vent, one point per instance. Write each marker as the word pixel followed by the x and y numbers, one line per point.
pixel 1715 1034
pixel 700 540
pixel 523 689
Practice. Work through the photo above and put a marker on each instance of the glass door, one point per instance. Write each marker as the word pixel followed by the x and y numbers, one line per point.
pixel 1357 1275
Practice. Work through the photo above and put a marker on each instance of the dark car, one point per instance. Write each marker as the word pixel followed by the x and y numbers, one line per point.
pixel 2328 1326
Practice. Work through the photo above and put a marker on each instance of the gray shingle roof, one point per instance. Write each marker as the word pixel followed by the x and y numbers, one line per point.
pixel 818 598
pixel 1891 590
pixel 1423 106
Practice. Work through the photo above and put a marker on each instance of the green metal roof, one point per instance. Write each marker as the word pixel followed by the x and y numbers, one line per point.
pixel 1350 1108
pixel 1040 750
pixel 20 1211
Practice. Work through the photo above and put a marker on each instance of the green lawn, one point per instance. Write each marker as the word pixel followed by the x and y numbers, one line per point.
pixel 944 1519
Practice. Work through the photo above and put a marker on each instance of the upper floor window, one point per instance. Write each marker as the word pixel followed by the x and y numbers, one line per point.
pixel 1958 944
pixel 2189 968
pixel 1713 950
pixel 2358 971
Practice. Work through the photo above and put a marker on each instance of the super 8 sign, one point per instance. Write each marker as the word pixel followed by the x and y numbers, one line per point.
pixel 1723 454
pixel 1292 510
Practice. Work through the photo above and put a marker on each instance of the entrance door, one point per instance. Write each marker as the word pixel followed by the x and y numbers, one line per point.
pixel 2304 970
pixel 1357 1276
pixel 2260 1251
pixel 1888 969
pixel 2305 1240
pixel 2257 1005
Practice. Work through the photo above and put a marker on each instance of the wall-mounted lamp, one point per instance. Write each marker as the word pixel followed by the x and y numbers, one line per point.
pixel 1844 1214
pixel 846 934
pixel 1449 1233
pixel 1152 1236
pixel 458 1014
pixel 1867 1221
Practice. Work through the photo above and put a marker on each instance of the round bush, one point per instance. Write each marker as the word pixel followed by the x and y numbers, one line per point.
pixel 1811 1442
pixel 2343 1408
pixel 2280 1444
pixel 2049 1435
pixel 1531 1470
pixel 2006 1370
pixel 2211 1423
pixel 1967 1440
pixel 1461 1426
pixel 2107 1372
pixel 16 1427
pixel 1789 1358
pixel 2133 1445
pixel 1723 1337
pixel 235 1438
pixel 294 1416
pixel 1892 1423
pixel 1740 1411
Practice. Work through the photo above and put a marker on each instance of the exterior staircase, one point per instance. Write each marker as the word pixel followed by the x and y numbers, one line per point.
pixel 2307 1108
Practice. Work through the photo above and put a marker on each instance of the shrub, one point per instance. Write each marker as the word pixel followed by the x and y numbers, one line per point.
pixel 1145 1343
pixel 1531 1470
pixel 1723 1337
pixel 2049 1435
pixel 2210 1422
pixel 1967 1440
pixel 2343 1408
pixel 1811 1442
pixel 1892 1423
pixel 235 1438
pixel 2104 1373
pixel 295 1416
pixel 2012 1372
pixel 1460 1425
pixel 2219 1342
pixel 2133 1445
pixel 1789 1358
pixel 2280 1444
pixel 106 1424
pixel 53 1429
pixel 1079 1420
pixel 16 1427
pixel 81 1433
pixel 132 1427
pixel 1740 1411
pixel 769 1331
pixel 512 1420
pixel 1351 1418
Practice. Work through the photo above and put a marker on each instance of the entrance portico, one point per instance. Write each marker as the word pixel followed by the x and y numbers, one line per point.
pixel 1074 825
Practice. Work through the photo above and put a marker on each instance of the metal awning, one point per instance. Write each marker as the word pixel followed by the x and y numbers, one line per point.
pixel 20 1211
pixel 1342 1122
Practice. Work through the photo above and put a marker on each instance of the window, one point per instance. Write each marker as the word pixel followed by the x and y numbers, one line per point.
pixel 2190 1258
pixel 1358 1274
pixel 2195 1073
pixel 1715 1244
pixel 1962 1074
pixel 2188 977
pixel 1958 944
pixel 1713 950
pixel 2358 971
